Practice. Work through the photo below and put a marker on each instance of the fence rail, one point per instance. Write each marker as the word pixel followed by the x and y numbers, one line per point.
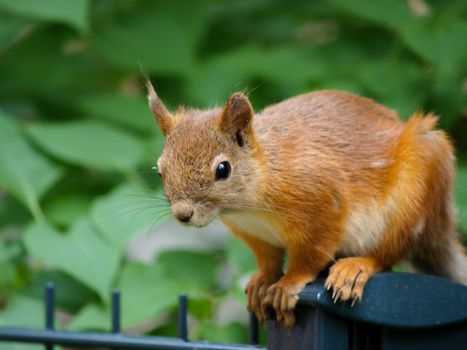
pixel 117 341
pixel 49 336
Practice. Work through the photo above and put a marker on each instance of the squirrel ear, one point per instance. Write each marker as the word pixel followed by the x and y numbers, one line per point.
pixel 237 114
pixel 163 116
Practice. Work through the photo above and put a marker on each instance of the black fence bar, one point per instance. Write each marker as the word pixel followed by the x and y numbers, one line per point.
pixel 49 310
pixel 116 311
pixel 109 340
pixel 183 317
pixel 253 330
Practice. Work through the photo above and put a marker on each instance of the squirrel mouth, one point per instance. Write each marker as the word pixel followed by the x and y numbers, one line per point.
pixel 201 216
pixel 195 223
pixel 202 223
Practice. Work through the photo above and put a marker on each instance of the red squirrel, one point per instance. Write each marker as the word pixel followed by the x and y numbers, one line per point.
pixel 326 177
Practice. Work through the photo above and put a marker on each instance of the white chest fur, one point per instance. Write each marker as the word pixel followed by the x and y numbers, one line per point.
pixel 256 225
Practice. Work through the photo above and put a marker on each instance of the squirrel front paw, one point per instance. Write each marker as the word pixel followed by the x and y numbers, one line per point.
pixel 348 276
pixel 283 297
pixel 256 292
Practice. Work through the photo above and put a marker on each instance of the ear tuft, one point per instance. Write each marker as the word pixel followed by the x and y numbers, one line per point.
pixel 163 116
pixel 237 114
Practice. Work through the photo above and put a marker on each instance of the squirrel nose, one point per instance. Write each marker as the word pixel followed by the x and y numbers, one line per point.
pixel 184 217
pixel 183 210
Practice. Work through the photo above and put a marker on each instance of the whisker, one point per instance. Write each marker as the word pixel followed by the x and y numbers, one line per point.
pixel 156 220
pixel 146 196
pixel 141 201
pixel 123 210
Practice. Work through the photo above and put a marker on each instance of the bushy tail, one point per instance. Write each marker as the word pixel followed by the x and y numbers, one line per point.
pixel 420 147
pixel 420 123
pixel 414 157
pixel 429 153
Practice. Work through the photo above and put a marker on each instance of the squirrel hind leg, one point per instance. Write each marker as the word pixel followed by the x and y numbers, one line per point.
pixel 438 250
pixel 446 259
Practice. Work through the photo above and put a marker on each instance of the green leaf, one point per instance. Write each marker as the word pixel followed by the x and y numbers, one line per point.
pixel 193 269
pixel 441 42
pixel 162 37
pixel 233 332
pixel 201 308
pixel 303 65
pixel 91 317
pixel 13 212
pixel 156 292
pixel 235 69
pixel 11 29
pixel 58 55
pixel 90 144
pixel 24 173
pixel 81 253
pixel 461 196
pixel 11 255
pixel 65 208
pixel 73 13
pixel 72 294
pixel 23 311
pixel 156 289
pixel 387 12
pixel 240 256
pixel 129 111
pixel 448 97
pixel 403 84
pixel 125 211
pixel 227 71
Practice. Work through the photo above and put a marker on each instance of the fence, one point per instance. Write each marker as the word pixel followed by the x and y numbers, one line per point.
pixel 399 311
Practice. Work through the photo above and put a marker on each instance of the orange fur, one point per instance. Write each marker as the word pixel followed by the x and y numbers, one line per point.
pixel 321 176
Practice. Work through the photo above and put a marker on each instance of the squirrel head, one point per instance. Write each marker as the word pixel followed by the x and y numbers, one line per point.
pixel 207 165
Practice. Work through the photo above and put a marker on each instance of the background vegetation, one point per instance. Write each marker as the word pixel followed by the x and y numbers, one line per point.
pixel 77 141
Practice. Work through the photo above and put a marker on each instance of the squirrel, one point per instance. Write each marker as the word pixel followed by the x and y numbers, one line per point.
pixel 327 177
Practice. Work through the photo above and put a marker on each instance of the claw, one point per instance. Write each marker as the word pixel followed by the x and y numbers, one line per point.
pixel 334 292
pixel 278 316
pixel 348 277
pixel 289 320
pixel 335 299
pixel 257 296
pixel 355 299
pixel 282 297
pixel 268 299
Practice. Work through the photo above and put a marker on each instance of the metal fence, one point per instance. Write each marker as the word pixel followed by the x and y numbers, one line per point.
pixel 399 311
pixel 49 336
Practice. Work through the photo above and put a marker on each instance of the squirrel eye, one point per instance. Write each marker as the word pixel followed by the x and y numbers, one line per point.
pixel 223 171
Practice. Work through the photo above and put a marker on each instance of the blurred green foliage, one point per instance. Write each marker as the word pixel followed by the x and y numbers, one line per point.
pixel 77 139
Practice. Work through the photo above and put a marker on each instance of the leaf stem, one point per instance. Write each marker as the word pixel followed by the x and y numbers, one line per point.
pixel 35 209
